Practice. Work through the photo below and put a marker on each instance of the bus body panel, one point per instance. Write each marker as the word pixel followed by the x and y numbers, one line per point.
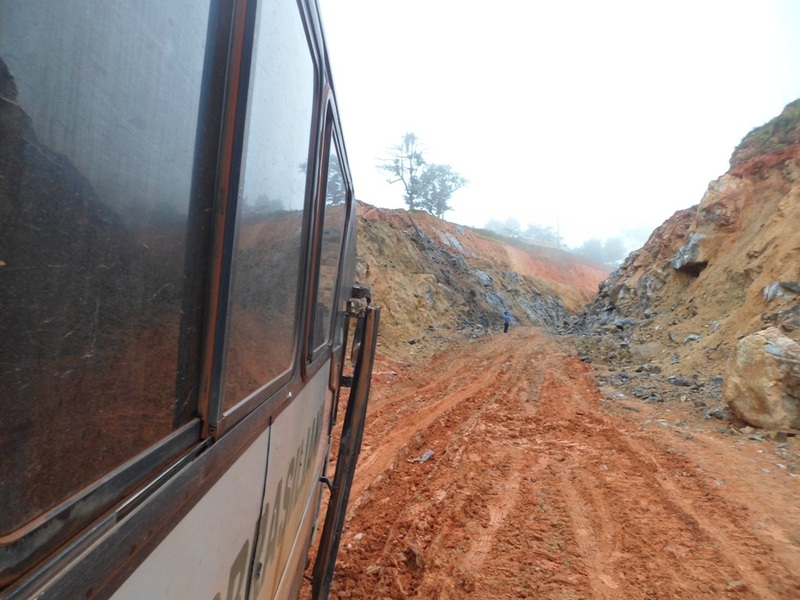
pixel 208 551
pixel 297 450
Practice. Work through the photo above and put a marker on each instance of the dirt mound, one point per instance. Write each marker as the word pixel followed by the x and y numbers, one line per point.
pixel 436 281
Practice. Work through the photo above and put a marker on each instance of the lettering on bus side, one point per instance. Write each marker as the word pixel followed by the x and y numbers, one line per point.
pixel 275 517
pixel 238 574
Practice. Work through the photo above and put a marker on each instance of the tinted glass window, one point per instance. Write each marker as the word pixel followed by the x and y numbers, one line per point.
pixel 98 117
pixel 261 337
pixel 331 249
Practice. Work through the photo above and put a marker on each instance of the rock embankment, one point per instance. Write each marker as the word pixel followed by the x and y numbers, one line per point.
pixel 715 274
pixel 435 280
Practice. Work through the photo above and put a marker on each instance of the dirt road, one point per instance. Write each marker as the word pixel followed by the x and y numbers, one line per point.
pixel 540 486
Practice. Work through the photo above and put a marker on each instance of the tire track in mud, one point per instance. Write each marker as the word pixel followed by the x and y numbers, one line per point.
pixel 596 537
pixel 433 513
pixel 507 497
pixel 730 545
pixel 526 381
pixel 504 497
pixel 691 554
pixel 535 492
pixel 475 376
pixel 489 481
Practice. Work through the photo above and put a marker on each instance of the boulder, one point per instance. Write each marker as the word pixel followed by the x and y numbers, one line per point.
pixel 762 385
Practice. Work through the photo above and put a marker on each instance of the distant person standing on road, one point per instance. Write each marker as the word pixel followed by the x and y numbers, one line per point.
pixel 506 321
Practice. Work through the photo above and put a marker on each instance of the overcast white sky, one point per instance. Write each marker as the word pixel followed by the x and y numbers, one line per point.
pixel 593 116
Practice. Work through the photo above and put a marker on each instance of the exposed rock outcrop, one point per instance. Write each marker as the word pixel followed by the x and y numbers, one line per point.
pixel 691 257
pixel 714 273
pixel 435 279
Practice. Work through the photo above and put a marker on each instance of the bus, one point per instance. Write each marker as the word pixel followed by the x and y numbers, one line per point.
pixel 178 307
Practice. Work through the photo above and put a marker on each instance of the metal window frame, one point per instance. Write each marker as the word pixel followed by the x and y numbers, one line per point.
pixel 275 392
pixel 316 354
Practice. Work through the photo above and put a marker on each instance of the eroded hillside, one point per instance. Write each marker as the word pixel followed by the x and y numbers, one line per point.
pixel 713 274
pixel 437 281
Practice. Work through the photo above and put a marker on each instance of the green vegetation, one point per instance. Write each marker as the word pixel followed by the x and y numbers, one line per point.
pixel 428 186
pixel 610 252
pixel 780 132
pixel 510 229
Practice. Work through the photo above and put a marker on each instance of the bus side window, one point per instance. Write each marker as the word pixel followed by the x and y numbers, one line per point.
pixel 99 104
pixel 333 225
pixel 263 318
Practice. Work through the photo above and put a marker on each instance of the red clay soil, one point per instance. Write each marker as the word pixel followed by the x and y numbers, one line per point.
pixel 540 486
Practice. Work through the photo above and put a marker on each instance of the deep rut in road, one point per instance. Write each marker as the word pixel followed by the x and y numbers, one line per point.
pixel 536 490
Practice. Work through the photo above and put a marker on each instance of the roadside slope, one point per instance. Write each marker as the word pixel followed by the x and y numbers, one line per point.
pixel 715 272
pixel 436 281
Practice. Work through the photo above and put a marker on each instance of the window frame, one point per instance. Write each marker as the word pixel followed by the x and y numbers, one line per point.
pixel 279 391
pixel 333 139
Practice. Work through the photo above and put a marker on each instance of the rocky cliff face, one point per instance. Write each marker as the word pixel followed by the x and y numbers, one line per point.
pixel 435 280
pixel 715 273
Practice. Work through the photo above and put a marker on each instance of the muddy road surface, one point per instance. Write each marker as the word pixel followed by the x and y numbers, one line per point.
pixel 498 470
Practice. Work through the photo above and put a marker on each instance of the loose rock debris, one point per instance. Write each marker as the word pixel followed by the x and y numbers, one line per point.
pixel 424 458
